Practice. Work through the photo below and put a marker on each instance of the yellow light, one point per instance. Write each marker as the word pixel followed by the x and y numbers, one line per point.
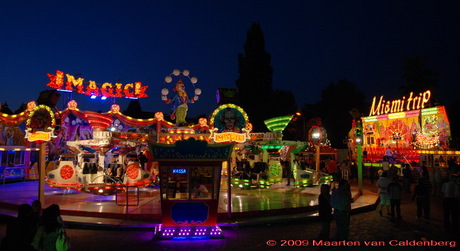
pixel 428 111
pixel 397 115
pixel 228 106
pixel 370 119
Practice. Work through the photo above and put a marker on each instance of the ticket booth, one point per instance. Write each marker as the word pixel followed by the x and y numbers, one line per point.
pixel 190 174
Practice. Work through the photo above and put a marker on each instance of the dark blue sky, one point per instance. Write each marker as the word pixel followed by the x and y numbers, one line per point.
pixel 311 42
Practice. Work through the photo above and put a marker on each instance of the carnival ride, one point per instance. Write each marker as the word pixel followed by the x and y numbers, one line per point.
pixel 412 137
pixel 14 161
pixel 100 166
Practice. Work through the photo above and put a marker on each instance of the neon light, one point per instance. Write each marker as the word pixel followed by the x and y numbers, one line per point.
pixel 47 108
pixel 383 106
pixel 382 117
pixel 179 170
pixel 131 90
pixel 278 124
pixel 39 136
pixel 228 106
pixel 370 119
pixel 230 136
pixel 397 115
pixel 413 113
pixel 429 111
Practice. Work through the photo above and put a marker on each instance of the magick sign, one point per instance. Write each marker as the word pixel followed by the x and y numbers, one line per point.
pixel 68 82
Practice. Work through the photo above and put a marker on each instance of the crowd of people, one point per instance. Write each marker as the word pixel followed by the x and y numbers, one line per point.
pixel 420 184
pixel 35 228
pixel 427 182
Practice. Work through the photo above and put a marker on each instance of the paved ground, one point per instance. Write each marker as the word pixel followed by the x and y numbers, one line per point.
pixel 365 227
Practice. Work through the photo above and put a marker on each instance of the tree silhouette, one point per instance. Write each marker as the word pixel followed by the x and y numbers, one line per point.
pixel 255 91
pixel 454 117
pixel 255 80
pixel 418 76
pixel 134 109
pixel 337 100
pixel 4 108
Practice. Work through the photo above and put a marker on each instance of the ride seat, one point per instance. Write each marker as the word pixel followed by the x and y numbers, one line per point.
pixel 86 168
pixel 93 168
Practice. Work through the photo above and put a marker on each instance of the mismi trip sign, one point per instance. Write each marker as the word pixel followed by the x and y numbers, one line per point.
pixel 412 102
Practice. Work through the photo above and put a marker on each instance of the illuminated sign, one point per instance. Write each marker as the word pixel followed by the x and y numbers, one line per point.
pixel 230 137
pixel 117 90
pixel 39 136
pixel 40 124
pixel 399 105
pixel 229 118
pixel 179 170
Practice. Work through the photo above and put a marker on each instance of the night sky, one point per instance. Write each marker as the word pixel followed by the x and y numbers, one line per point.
pixel 311 43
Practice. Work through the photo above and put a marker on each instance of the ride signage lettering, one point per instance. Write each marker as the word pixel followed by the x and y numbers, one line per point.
pixel 117 90
pixel 383 106
pixel 230 137
pixel 39 136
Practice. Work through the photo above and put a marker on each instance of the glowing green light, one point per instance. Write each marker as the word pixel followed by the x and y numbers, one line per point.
pixel 278 124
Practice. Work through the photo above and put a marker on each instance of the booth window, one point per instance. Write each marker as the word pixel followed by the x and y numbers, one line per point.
pixel 202 182
pixel 191 182
pixel 177 183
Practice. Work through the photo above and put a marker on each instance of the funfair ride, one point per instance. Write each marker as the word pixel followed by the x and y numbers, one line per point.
pixel 107 161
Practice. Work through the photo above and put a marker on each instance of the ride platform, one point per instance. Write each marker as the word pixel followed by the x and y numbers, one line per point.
pixel 141 207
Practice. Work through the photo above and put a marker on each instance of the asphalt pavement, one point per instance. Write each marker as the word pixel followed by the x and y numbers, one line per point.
pixel 368 231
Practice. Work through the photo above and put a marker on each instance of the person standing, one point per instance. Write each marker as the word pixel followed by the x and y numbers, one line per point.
pixel 372 174
pixel 37 214
pixel 52 226
pixel 422 193
pixel 395 192
pixel 325 211
pixel 382 184
pixel 287 168
pixel 385 165
pixel 407 178
pixel 341 202
pixel 450 204
pixel 388 155
pixel 393 172
pixel 425 171
pixel 346 170
pixel 20 231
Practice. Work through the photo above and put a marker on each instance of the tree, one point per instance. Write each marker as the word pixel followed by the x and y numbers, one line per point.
pixel 418 76
pixel 454 117
pixel 134 109
pixel 337 100
pixel 255 80
pixel 5 109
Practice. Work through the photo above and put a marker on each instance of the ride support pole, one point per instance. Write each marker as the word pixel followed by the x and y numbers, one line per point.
pixel 360 168
pixel 41 178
